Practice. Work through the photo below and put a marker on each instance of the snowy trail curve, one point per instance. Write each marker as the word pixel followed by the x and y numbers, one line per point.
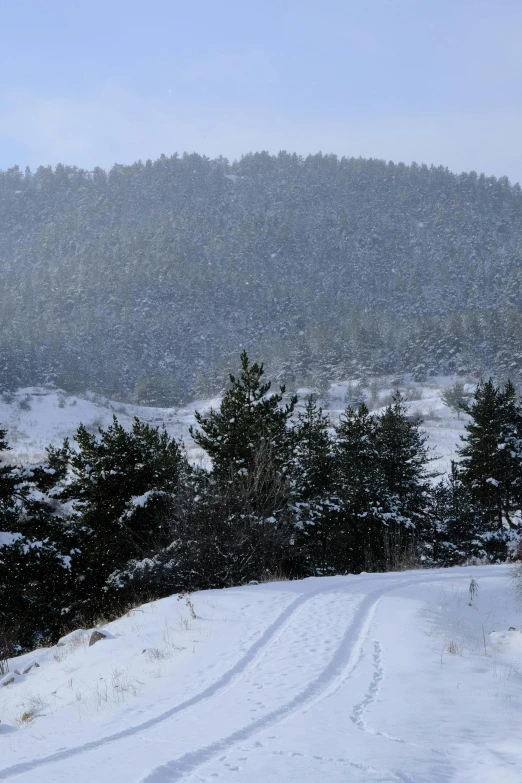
pixel 338 669
pixel 225 681
pixel 305 658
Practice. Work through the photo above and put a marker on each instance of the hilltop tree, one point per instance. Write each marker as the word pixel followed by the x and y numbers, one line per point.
pixel 455 397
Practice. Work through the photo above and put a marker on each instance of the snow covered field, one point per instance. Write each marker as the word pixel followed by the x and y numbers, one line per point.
pixel 375 677
pixel 37 416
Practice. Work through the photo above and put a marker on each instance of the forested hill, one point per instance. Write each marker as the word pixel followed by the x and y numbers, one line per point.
pixel 146 281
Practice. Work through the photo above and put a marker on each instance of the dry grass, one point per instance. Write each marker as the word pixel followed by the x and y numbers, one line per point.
pixel 7 649
pixel 81 640
pixel 188 603
pixel 32 708
pixel 156 654
pixel 113 690
pixel 412 393
pixel 516 575
pixel 274 576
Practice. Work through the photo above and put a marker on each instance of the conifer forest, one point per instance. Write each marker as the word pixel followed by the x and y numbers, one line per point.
pixel 146 281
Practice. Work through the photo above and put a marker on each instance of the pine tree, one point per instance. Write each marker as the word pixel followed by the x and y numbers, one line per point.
pixel 403 460
pixel 35 562
pixel 491 455
pixel 358 494
pixel 120 482
pixel 12 493
pixel 36 588
pixel 251 426
pixel 312 454
pixel 382 487
pixel 453 535
pixel 246 499
pixel 454 397
pixel 312 487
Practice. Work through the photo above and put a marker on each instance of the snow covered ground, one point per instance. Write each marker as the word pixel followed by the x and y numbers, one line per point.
pixel 37 416
pixel 375 677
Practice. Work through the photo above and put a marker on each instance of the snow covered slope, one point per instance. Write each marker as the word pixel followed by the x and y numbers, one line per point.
pixel 35 417
pixel 375 677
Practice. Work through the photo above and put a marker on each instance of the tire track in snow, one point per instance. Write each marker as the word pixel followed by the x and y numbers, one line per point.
pixel 340 666
pixel 226 680
pixel 333 675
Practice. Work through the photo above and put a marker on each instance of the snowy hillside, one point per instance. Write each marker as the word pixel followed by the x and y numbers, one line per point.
pixel 394 677
pixel 37 416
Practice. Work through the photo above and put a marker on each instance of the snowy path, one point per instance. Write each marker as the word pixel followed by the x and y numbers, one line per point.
pixel 345 683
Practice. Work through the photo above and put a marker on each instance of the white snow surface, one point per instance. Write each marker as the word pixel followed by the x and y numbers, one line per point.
pixel 375 677
pixel 38 416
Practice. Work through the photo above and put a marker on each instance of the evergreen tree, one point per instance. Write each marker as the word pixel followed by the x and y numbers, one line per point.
pixel 403 459
pixel 312 454
pixel 358 492
pixel 120 482
pixel 382 487
pixel 453 535
pixel 312 487
pixel 247 497
pixel 35 561
pixel 36 588
pixel 12 493
pixel 454 397
pixel 250 429
pixel 491 455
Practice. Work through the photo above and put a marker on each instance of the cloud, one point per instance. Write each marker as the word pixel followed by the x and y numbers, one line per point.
pixel 115 125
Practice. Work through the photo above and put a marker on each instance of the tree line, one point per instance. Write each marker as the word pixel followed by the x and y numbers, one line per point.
pixel 121 516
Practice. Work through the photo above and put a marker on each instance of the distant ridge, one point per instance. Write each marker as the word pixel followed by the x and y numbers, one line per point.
pixel 144 283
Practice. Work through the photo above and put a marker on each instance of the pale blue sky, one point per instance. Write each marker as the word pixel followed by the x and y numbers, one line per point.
pixel 94 83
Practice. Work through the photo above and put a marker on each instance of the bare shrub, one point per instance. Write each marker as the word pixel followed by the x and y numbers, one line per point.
pixel 386 400
pixel 413 393
pixel 453 647
pixel 228 533
pixel 168 641
pixel 430 415
pixel 473 590
pixel 24 404
pixel 93 427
